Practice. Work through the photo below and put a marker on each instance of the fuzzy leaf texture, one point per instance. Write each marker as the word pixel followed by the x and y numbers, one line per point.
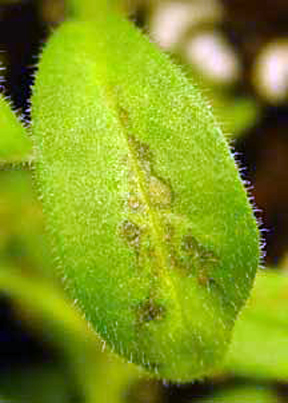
pixel 149 222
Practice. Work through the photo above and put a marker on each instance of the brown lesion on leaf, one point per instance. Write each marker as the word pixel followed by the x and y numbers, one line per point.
pixel 149 193
pixel 134 202
pixel 204 279
pixel 131 232
pixel 123 116
pixel 142 153
pixel 159 193
pixel 199 259
pixel 190 245
pixel 150 310
pixel 142 150
pixel 158 190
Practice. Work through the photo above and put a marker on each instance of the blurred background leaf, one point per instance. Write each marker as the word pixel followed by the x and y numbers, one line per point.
pixel 14 141
pixel 260 343
pixel 96 374
pixel 256 393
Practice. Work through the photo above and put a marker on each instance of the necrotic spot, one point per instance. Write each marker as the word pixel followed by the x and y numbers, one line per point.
pixel 198 259
pixel 150 310
pixel 142 149
pixel 159 192
pixel 190 245
pixel 134 202
pixel 131 232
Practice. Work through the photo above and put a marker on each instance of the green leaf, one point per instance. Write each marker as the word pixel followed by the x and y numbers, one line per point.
pixel 15 145
pixel 89 9
pixel 245 393
pixel 260 343
pixel 237 115
pixel 148 218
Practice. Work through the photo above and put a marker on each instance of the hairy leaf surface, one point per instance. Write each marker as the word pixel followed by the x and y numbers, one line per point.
pixel 149 220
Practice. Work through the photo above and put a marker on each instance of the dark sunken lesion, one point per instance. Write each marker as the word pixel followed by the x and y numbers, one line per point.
pixel 190 245
pixel 207 257
pixel 134 202
pixel 123 116
pixel 150 310
pixel 143 151
pixel 199 259
pixel 191 258
pixel 131 232
pixel 160 193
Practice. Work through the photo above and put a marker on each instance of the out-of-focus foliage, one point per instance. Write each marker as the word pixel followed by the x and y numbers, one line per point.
pixel 241 394
pixel 260 343
pixel 235 115
pixel 21 231
pixel 14 142
pixel 101 376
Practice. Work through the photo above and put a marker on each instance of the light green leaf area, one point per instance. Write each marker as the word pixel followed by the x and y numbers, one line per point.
pixel 240 394
pixel 15 145
pixel 260 343
pixel 148 218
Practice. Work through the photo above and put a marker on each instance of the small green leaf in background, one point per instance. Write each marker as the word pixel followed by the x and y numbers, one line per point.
pixel 235 115
pixel 83 9
pixel 245 394
pixel 22 238
pixel 260 343
pixel 149 221
pixel 15 145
